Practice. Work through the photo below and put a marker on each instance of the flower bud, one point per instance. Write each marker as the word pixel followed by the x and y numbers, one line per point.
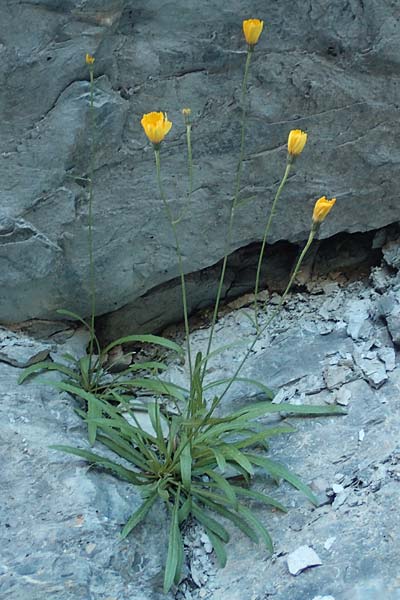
pixel 89 59
pixel 252 29
pixel 296 142
pixel 322 207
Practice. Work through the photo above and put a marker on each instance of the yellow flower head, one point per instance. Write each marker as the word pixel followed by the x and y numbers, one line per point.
pixel 252 29
pixel 156 126
pixel 296 142
pixel 322 207
pixel 186 112
pixel 89 59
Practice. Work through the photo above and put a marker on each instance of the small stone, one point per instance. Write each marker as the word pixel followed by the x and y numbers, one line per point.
pixel 388 356
pixel 339 500
pixel 329 542
pixel 361 435
pixel 337 488
pixel 90 548
pixel 301 559
pixel 342 396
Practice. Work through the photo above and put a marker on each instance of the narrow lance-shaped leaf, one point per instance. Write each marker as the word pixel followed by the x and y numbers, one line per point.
pixel 138 515
pixel 146 339
pixel 174 542
pixel 278 470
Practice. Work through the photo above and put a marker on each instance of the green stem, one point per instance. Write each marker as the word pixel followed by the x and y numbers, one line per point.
pixel 179 254
pixel 233 209
pixel 264 241
pixel 90 224
pixel 274 313
pixel 209 414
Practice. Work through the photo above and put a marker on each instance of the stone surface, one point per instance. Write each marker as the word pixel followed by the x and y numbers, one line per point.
pixel 21 351
pixel 322 67
pixel 60 520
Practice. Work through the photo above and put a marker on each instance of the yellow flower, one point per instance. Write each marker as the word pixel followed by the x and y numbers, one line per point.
pixel 252 29
pixel 156 126
pixel 186 112
pixel 296 142
pixel 322 207
pixel 89 59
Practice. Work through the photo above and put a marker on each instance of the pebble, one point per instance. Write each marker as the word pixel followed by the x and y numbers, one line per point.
pixel 342 396
pixel 329 542
pixel 361 435
pixel 339 500
pixel 302 558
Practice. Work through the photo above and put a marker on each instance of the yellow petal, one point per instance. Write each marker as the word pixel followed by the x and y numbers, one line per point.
pixel 156 126
pixel 296 142
pixel 252 29
pixel 322 207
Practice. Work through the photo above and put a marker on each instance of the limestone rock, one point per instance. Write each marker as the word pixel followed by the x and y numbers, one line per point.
pixel 327 70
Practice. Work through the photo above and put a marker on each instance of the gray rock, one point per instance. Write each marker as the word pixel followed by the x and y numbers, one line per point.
pixel 20 351
pixel 302 558
pixel 196 60
pixel 388 356
pixel 336 376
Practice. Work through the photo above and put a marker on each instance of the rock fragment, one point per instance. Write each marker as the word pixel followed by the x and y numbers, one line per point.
pixel 301 559
pixel 20 351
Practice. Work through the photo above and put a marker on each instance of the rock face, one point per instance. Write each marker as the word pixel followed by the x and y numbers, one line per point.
pixel 321 67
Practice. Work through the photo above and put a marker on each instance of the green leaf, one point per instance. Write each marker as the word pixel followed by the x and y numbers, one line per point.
pixel 181 556
pixel 143 366
pixel 220 458
pixel 209 522
pixel 138 515
pixel 223 485
pixel 261 435
pixel 227 514
pixel 96 459
pixel 267 391
pixel 262 408
pixel 185 509
pixel 75 316
pixel 155 419
pixel 278 471
pixel 218 547
pixel 174 542
pixel 157 385
pixel 94 412
pixel 260 497
pixel 122 448
pixel 186 464
pixel 47 366
pixel 232 454
pixel 258 526
pixel 147 339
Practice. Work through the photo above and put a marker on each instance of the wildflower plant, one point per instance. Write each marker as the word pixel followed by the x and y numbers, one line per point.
pixel 199 463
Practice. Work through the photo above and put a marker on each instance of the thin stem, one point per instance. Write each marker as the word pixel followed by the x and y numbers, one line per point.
pixel 233 208
pixel 90 223
pixel 274 313
pixel 214 405
pixel 264 241
pixel 179 254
